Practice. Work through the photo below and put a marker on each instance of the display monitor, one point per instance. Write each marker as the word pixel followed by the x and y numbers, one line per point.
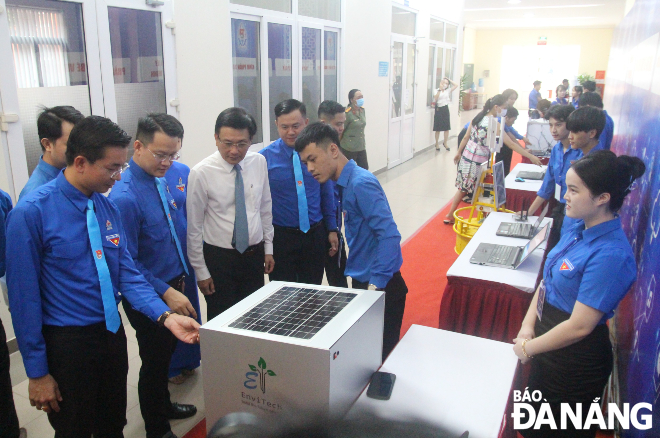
pixel 498 184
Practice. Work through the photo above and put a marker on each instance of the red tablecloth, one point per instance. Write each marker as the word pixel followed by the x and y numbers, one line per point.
pixel 483 308
pixel 544 160
pixel 515 198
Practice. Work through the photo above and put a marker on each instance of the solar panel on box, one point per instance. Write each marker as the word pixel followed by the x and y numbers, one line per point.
pixel 290 346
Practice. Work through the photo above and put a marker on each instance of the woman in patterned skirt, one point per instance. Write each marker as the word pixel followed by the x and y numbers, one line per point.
pixel 474 151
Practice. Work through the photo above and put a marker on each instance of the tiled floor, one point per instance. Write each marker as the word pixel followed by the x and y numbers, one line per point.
pixel 416 190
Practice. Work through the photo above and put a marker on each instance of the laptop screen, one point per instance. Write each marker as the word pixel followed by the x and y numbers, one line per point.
pixel 534 242
pixel 537 224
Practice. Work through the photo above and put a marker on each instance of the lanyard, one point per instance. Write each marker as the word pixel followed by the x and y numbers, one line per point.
pixel 340 216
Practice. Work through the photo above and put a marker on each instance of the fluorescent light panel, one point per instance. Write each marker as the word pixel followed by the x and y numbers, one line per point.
pixel 517 8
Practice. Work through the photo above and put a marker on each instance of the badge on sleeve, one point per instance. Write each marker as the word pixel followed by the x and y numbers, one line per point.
pixel 114 238
pixel 540 300
pixel 566 265
pixel 181 186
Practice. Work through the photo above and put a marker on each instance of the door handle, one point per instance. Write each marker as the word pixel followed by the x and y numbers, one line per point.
pixel 5 119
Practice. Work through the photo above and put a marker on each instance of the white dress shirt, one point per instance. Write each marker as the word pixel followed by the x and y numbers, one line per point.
pixel 443 98
pixel 212 209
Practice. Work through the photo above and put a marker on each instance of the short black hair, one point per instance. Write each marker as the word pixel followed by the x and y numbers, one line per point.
pixel 158 122
pixel 604 172
pixel 91 136
pixel 585 119
pixel 318 133
pixel 559 112
pixel 508 92
pixel 543 105
pixel 537 83
pixel 560 87
pixel 591 99
pixel 330 108
pixel 288 106
pixel 589 86
pixel 564 80
pixel 579 89
pixel 49 122
pixel 511 113
pixel 236 118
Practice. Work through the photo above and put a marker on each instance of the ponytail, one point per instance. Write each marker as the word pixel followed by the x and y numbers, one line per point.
pixel 604 172
pixel 498 100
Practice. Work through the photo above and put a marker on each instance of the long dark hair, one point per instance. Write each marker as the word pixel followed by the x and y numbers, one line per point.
pixel 604 172
pixel 498 100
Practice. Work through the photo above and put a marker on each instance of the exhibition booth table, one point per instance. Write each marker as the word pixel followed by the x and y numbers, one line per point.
pixel 457 382
pixel 544 160
pixel 518 193
pixel 486 301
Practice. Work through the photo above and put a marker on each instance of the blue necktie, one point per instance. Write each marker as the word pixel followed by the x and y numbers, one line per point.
pixel 112 321
pixel 163 198
pixel 241 238
pixel 303 215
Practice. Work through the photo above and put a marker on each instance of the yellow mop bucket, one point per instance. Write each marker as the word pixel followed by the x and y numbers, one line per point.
pixel 465 226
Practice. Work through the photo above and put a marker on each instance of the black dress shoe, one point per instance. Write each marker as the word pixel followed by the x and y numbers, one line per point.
pixel 179 412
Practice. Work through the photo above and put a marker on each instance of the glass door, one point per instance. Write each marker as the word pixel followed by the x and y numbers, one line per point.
pixel 139 76
pixel 52 59
pixel 281 65
pixel 402 101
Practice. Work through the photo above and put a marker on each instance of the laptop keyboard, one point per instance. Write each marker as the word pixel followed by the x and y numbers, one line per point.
pixel 519 229
pixel 503 255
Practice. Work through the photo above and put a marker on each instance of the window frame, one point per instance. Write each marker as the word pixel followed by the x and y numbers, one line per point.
pixel 449 49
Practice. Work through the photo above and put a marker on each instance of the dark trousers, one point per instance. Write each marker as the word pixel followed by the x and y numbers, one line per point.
pixel 505 155
pixel 395 303
pixel 299 257
pixel 235 276
pixel 334 271
pixel 156 345
pixel 8 418
pixel 90 365
pixel 360 157
pixel 557 215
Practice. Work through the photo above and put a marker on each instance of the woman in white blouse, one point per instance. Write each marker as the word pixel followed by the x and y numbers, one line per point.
pixel 441 117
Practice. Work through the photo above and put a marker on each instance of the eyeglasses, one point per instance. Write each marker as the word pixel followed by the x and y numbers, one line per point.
pixel 114 173
pixel 240 144
pixel 161 158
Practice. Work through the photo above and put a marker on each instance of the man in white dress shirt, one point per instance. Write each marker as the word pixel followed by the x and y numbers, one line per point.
pixel 230 220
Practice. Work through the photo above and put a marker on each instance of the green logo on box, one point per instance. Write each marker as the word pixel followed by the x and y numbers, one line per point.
pixel 259 371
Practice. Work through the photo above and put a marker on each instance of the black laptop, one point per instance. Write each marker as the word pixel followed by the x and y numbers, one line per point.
pixel 520 230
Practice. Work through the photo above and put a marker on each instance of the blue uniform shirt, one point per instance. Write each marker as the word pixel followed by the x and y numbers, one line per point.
pixel 147 230
pixel 597 270
pixel 177 183
pixel 558 166
pixel 575 102
pixel 605 139
pixel 51 274
pixel 5 208
pixel 534 97
pixel 41 175
pixel 373 240
pixel 559 101
pixel 320 198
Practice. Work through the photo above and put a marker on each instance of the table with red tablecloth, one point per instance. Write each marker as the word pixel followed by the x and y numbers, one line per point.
pixel 518 193
pixel 488 301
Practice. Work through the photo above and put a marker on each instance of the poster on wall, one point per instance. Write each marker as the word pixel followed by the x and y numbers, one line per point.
pixel 634 106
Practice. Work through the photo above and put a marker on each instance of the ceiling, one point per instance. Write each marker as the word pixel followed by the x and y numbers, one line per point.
pixel 483 14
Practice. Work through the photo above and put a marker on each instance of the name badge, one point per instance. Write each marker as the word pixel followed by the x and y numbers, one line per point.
pixel 541 300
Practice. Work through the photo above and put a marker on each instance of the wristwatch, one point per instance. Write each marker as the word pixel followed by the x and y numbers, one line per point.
pixel 161 319
pixel 374 287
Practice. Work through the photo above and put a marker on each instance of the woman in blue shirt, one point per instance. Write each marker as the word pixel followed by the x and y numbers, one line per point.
pixel 585 276
pixel 577 92
pixel 561 96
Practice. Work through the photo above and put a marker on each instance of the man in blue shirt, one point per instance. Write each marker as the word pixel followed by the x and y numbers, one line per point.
pixel 605 138
pixel 334 114
pixel 70 267
pixel 8 418
pixel 186 357
pixel 53 126
pixel 303 210
pixel 373 240
pixel 156 241
pixel 534 96
pixel 585 124
pixel 561 157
